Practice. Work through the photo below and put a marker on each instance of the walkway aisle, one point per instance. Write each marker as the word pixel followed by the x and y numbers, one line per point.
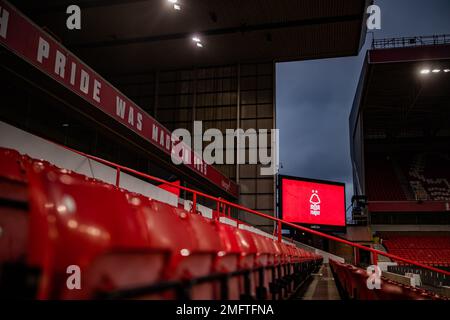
pixel 322 286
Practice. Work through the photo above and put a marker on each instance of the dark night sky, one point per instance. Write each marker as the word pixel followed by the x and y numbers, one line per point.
pixel 314 98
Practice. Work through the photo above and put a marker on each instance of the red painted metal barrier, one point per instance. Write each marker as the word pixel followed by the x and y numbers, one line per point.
pixel 129 245
pixel 352 283
pixel 279 222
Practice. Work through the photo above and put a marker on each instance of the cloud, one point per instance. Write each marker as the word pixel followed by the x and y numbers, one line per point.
pixel 313 104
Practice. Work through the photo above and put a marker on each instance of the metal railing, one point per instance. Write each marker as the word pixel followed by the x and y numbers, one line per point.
pixel 404 42
pixel 427 277
pixel 223 207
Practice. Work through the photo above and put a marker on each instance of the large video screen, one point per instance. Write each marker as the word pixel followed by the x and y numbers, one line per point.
pixel 312 202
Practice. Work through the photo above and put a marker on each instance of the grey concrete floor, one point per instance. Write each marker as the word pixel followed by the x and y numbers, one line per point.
pixel 321 287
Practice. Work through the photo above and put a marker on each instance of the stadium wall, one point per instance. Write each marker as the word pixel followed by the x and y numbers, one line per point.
pixel 222 97
pixel 39 148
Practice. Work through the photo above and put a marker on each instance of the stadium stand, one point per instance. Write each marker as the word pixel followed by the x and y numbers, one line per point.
pixel 429 249
pixel 427 176
pixel 401 160
pixel 379 169
pixel 436 281
pixel 130 246
pixel 352 284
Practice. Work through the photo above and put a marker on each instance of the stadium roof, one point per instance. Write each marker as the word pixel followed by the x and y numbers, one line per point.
pixel 147 35
pixel 404 90
pixel 140 36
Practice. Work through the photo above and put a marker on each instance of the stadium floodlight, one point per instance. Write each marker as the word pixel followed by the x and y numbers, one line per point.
pixel 446 70
pixel 185 252
pixel 425 71
pixel 436 70
pixel 175 3
pixel 198 41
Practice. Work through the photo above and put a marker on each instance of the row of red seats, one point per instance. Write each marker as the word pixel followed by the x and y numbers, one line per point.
pixel 437 257
pixel 352 283
pixel 425 242
pixel 430 250
pixel 129 246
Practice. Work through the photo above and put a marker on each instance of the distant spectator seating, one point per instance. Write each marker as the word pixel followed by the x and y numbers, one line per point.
pixel 352 284
pixel 430 250
pixel 427 277
pixel 128 245
pixel 429 176
pixel 381 180
pixel 407 176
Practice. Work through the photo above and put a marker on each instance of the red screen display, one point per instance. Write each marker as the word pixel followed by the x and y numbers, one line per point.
pixel 312 202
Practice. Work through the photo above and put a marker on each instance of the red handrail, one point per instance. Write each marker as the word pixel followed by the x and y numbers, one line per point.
pixel 119 168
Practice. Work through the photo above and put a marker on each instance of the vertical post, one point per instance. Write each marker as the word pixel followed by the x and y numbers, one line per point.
pixel 279 231
pixel 229 212
pixel 218 210
pixel 194 203
pixel 374 258
pixel 274 125
pixel 118 177
pixel 356 254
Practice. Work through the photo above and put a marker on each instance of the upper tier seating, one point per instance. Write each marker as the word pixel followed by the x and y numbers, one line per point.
pixel 381 180
pixel 426 176
pixel 430 250
pixel 128 245
pixel 429 176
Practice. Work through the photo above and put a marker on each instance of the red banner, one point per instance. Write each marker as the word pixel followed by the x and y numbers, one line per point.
pixel 408 54
pixel 28 41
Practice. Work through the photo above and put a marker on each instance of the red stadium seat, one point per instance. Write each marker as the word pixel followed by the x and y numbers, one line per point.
pixel 11 165
pixel 353 281
pixel 427 249
pixel 228 260
pixel 247 261
pixel 97 235
pixel 201 261
pixel 264 258
pixel 128 245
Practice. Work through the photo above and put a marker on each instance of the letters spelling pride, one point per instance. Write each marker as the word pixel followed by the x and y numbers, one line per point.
pixel 63 68
pixel 71 70
pixel 45 53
